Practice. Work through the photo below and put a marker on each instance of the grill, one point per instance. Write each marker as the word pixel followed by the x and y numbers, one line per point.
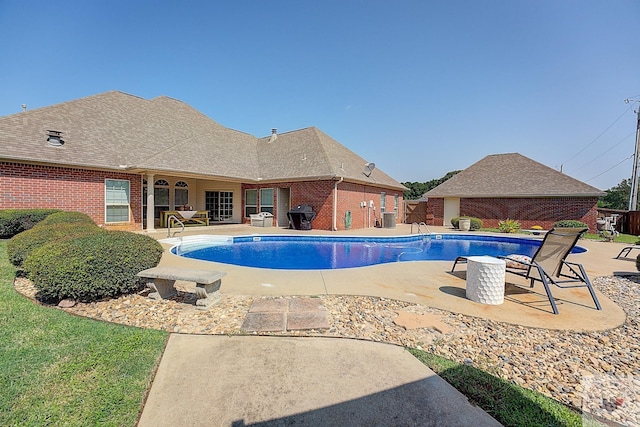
pixel 300 217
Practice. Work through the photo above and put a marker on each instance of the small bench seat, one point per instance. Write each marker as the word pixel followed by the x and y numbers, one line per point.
pixel 163 280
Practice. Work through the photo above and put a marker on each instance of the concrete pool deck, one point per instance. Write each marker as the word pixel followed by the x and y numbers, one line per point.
pixel 428 283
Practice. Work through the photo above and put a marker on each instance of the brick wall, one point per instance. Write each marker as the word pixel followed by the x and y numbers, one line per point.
pixel 26 186
pixel 319 195
pixel 528 212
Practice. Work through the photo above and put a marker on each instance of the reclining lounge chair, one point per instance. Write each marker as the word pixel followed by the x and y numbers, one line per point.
pixel 549 266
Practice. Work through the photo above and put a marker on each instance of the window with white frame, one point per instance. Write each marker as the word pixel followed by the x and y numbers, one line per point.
pixel 117 200
pixel 396 204
pixel 266 200
pixel 383 201
pixel 160 197
pixel 180 194
pixel 250 202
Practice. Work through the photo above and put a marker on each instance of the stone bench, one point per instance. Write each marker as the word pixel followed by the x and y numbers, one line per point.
pixel 207 283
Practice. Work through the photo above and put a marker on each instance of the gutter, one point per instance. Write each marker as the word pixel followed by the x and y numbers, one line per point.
pixel 335 204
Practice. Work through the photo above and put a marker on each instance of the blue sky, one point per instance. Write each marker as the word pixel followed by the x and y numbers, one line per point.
pixel 418 87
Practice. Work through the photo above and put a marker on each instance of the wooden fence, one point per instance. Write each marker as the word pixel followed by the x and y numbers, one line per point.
pixel 416 211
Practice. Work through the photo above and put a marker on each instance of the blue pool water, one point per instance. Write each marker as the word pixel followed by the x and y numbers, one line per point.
pixel 322 253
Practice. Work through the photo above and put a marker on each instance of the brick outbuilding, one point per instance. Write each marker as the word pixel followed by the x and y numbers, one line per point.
pixel 512 186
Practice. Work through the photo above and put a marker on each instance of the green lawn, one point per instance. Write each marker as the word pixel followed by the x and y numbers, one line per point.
pixel 61 370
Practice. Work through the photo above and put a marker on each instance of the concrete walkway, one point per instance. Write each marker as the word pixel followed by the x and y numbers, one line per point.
pixel 278 381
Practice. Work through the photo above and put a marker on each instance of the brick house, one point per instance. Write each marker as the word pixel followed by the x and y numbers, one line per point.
pixel 121 159
pixel 502 186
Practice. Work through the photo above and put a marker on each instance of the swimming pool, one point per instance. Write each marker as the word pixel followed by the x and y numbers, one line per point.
pixel 286 252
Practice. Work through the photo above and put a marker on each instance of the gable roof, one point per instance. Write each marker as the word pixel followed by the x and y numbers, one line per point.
pixel 118 131
pixel 511 175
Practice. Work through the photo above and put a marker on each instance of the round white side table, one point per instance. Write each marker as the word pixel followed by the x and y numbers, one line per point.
pixel 485 279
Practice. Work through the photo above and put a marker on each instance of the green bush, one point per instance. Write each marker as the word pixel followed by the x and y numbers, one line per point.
pixel 20 246
pixel 91 267
pixel 570 223
pixel 509 226
pixel 66 218
pixel 476 223
pixel 14 221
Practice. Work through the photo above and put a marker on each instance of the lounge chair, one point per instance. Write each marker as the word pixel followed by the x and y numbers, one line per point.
pixel 626 251
pixel 549 266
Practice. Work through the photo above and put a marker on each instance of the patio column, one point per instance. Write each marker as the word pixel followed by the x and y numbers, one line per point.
pixel 151 207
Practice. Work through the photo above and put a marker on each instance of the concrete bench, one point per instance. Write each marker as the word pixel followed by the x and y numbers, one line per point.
pixel 207 283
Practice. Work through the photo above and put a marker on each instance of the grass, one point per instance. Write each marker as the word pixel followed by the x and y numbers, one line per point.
pixel 62 370
pixel 508 403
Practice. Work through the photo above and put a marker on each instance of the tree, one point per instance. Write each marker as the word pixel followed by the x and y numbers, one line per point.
pixel 417 189
pixel 617 197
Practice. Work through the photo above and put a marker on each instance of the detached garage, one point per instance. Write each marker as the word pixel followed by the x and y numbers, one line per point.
pixel 502 186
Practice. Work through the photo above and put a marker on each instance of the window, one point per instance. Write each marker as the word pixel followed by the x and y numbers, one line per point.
pixel 250 202
pixel 161 197
pixel 383 201
pixel 181 194
pixel 396 199
pixel 266 200
pixel 116 200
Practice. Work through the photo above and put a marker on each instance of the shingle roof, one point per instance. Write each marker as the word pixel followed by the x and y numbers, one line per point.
pixel 511 175
pixel 310 153
pixel 115 129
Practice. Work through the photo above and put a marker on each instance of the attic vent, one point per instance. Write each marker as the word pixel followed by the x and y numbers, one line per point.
pixel 54 138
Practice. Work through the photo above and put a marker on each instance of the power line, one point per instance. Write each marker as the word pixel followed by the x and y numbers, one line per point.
pixel 598 157
pixel 598 137
pixel 612 167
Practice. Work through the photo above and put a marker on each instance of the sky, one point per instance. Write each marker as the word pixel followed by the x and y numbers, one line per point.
pixel 420 88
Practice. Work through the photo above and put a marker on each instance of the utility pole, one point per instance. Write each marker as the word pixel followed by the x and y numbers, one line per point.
pixel 633 197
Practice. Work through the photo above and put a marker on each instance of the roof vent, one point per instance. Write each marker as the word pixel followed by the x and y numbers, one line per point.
pixel 54 138
pixel 274 135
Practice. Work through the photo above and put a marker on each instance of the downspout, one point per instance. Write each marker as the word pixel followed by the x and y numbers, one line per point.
pixel 335 203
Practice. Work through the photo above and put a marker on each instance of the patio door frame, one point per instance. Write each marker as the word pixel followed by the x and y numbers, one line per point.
pixel 219 204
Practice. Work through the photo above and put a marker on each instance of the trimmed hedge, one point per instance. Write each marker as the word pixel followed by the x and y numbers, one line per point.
pixel 476 223
pixel 570 223
pixel 14 221
pixel 21 246
pixel 66 218
pixel 91 267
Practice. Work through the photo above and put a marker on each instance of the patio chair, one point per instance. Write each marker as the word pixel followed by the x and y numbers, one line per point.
pixel 549 266
pixel 626 250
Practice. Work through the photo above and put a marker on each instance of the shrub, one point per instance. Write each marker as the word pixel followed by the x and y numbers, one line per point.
pixel 476 223
pixel 509 226
pixel 91 267
pixel 14 221
pixel 570 223
pixel 67 217
pixel 20 246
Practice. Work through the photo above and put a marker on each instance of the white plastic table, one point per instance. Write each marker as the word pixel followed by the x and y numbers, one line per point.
pixel 485 279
